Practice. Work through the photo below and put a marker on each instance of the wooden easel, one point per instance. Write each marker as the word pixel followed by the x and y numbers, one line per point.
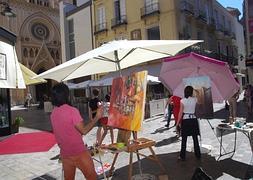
pixel 133 146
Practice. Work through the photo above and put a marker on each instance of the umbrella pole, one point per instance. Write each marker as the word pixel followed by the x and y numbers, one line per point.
pixel 116 56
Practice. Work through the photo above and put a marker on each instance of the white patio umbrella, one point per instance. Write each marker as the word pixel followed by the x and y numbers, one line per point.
pixel 114 56
pixel 81 85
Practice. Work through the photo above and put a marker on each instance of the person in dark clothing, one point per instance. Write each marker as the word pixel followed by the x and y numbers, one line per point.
pixel 169 107
pixel 188 122
pixel 93 106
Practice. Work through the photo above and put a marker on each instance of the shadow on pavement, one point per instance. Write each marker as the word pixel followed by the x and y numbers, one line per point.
pixel 183 170
pixel 168 141
pixel 162 129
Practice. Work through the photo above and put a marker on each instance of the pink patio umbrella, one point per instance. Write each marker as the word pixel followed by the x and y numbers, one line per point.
pixel 175 69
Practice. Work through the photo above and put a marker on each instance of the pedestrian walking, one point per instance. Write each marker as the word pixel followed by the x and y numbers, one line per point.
pixel 104 120
pixel 175 101
pixel 169 109
pixel 68 128
pixel 188 122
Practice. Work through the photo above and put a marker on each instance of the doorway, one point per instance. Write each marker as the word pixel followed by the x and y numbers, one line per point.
pixel 44 88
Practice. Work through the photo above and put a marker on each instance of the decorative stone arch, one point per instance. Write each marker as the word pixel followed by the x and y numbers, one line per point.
pixel 44 19
pixel 43 59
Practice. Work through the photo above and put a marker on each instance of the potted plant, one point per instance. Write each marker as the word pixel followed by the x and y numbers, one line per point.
pixel 18 120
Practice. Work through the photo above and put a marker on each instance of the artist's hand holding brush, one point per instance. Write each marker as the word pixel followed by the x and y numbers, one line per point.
pixel 85 128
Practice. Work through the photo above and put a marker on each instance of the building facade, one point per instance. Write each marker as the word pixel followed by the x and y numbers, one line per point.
pixel 248 27
pixel 76 28
pixel 38 45
pixel 160 19
pixel 172 19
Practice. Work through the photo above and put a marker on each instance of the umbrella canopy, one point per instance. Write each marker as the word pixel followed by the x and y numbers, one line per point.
pixel 10 72
pixel 114 56
pixel 28 74
pixel 81 85
pixel 222 81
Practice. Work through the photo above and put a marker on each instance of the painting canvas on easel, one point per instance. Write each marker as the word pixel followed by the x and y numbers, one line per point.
pixel 202 90
pixel 128 101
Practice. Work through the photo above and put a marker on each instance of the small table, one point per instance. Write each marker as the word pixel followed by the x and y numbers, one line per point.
pixel 246 129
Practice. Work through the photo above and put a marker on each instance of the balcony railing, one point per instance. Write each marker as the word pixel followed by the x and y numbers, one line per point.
pixel 233 36
pixel 227 32
pixel 100 27
pixel 202 15
pixel 200 50
pixel 187 7
pixel 117 21
pixel 212 22
pixel 220 27
pixel 150 9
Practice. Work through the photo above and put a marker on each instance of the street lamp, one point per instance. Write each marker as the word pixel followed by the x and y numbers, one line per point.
pixel 6 10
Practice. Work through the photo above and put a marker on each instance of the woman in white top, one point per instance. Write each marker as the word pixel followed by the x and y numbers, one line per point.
pixel 188 122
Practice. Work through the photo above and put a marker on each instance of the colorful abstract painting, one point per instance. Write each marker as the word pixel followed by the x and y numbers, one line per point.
pixel 128 101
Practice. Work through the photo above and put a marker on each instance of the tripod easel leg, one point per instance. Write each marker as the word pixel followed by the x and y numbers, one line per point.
pixel 130 169
pixel 113 163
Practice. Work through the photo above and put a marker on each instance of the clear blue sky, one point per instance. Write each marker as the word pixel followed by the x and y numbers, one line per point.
pixel 232 3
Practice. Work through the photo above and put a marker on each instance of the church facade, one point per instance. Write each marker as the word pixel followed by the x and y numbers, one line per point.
pixel 38 45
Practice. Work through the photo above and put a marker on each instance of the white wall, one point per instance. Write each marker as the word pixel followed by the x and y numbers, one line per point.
pixel 82 30
pixel 240 44
pixel 80 2
pixel 62 29
pixel 63 8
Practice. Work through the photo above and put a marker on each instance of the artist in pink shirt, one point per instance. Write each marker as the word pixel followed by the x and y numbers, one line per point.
pixel 68 128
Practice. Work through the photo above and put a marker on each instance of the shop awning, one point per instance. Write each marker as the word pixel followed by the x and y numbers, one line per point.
pixel 28 74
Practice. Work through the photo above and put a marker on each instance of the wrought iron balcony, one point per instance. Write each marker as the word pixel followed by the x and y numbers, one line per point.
pixel 227 32
pixel 212 21
pixel 119 20
pixel 233 36
pixel 150 9
pixel 187 7
pixel 202 15
pixel 100 27
pixel 219 27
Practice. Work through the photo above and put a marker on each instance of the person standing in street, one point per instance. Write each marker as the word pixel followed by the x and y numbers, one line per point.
pixel 68 128
pixel 188 122
pixel 28 100
pixel 248 95
pixel 233 107
pixel 175 101
pixel 169 108
pixel 104 120
pixel 93 106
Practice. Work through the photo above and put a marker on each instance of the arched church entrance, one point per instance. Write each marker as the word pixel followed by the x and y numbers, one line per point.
pixel 43 90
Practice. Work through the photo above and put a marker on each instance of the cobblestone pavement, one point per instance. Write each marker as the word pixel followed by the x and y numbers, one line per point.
pixel 239 166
